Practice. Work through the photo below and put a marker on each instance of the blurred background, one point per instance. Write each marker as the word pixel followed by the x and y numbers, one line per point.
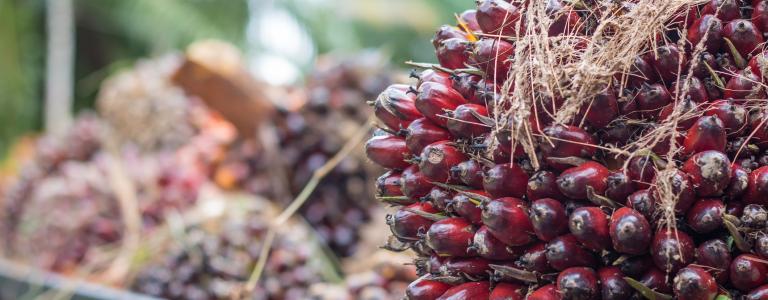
pixel 146 146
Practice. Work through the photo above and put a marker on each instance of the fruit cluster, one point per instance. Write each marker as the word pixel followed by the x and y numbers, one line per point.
pixel 212 262
pixel 63 209
pixel 590 209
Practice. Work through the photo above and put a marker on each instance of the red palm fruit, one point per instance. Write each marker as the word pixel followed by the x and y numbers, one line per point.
pixel 636 266
pixel 469 172
pixel 551 103
pixel 754 216
pixel 414 184
pixel 666 61
pixel 759 62
pixel 434 99
pixel 700 70
pixel 612 284
pixel 505 180
pixel 387 151
pixel 430 265
pixel 547 292
pixel 453 53
pixel 447 32
pixel 757 187
pixel 590 226
pixel 728 9
pixel 395 107
pixel 715 254
pixel 547 106
pixel 739 183
pixel 489 247
pixel 507 219
pixel 451 237
pixel 499 155
pixel 672 250
pixel 487 93
pixel 388 184
pixel 492 56
pixel 657 280
pixel 744 36
pixel 761 246
pixel 619 186
pixel 603 109
pixel 566 20
pixel 710 172
pixel 565 141
pixel 693 283
pixel 422 132
pixel 573 182
pixel 747 272
pixel 425 289
pixel 508 291
pixel 708 133
pixel 409 226
pixel 498 17
pixel 467 207
pixel 705 215
pixel 534 259
pixel 734 116
pixel 686 107
pixel 578 283
pixel 760 15
pixel 710 27
pixel 696 91
pixel 565 252
pixel 548 219
pixel 467 86
pixel 468 291
pixel 760 293
pixel 465 123
pixel 640 72
pixel 643 202
pixel 629 231
pixel 439 197
pixel 651 98
pixel 437 159
pixel 430 75
pixel 682 187
pixel 744 85
pixel 666 143
pixel 469 17
pixel 474 267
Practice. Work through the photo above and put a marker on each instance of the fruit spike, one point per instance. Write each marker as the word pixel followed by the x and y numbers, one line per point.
pixel 602 196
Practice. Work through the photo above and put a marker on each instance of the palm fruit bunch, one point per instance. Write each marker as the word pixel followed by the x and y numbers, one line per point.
pixel 213 259
pixel 583 150
pixel 328 113
pixel 63 207
pixel 63 210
